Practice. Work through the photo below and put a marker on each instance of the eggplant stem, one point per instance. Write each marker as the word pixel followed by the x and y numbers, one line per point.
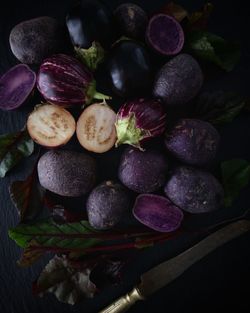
pixel 100 96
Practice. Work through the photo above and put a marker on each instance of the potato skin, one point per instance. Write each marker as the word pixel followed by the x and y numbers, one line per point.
pixel 67 173
pixel 142 171
pixel 106 205
pixel 178 81
pixel 194 190
pixel 33 40
pixel 193 142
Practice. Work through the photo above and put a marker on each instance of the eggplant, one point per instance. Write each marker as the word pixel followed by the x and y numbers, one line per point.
pixel 128 69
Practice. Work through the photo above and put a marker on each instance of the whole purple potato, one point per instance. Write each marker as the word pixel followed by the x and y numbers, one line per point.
pixel 107 204
pixel 192 141
pixel 142 171
pixel 67 173
pixel 193 190
pixel 178 81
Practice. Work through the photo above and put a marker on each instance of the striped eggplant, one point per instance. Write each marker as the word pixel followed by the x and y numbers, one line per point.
pixel 139 120
pixel 65 81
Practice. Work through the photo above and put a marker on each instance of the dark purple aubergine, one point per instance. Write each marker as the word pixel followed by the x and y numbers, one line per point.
pixel 15 86
pixel 142 172
pixel 165 35
pixel 193 141
pixel 194 190
pixel 90 21
pixel 140 120
pixel 128 70
pixel 65 81
pixel 178 81
pixel 157 212
pixel 131 20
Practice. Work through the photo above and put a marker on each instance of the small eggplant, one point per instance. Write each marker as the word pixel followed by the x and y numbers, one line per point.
pixel 15 86
pixel 65 81
pixel 128 69
pixel 140 120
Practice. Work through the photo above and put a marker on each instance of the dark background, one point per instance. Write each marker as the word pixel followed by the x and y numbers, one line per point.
pixel 220 282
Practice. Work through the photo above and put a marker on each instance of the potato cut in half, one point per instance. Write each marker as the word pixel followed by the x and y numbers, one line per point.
pixel 50 125
pixel 95 128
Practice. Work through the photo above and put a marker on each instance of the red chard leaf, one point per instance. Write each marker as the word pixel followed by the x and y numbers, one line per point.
pixel 29 255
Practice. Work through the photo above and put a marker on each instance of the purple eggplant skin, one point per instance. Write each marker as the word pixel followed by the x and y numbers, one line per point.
pixel 165 35
pixel 157 212
pixel 142 172
pixel 194 190
pixel 128 69
pixel 67 173
pixel 34 40
pixel 193 142
pixel 178 81
pixel 132 20
pixel 139 120
pixel 90 21
pixel 107 204
pixel 16 85
pixel 65 81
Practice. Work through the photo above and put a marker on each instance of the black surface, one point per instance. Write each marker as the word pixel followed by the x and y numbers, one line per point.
pixel 218 283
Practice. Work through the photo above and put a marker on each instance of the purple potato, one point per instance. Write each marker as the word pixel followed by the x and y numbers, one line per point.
pixel 165 35
pixel 67 173
pixel 142 172
pixel 157 212
pixel 178 81
pixel 15 86
pixel 192 141
pixel 107 204
pixel 194 190
pixel 131 19
pixel 33 40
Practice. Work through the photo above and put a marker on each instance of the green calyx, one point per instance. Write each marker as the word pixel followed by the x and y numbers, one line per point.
pixel 92 56
pixel 92 94
pixel 129 133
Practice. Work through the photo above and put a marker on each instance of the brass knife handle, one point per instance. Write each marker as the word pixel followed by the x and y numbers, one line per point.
pixel 124 303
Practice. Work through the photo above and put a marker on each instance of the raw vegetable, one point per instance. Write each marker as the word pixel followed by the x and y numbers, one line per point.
pixel 175 10
pixel 131 19
pixel 96 128
pixel 128 69
pixel 50 125
pixel 107 204
pixel 165 35
pixel 142 172
pixel 178 81
pixel 33 40
pixel 67 173
pixel 15 86
pixel 193 141
pixel 157 212
pixel 194 190
pixel 140 120
pixel 65 81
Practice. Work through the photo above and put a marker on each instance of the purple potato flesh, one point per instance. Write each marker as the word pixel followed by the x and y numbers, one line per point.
pixel 157 212
pixel 15 86
pixel 192 141
pixel 193 190
pixel 142 171
pixel 165 35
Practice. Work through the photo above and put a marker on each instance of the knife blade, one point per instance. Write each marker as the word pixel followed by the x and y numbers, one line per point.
pixel 166 272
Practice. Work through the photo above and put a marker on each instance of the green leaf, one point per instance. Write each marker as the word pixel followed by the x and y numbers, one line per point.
pixel 235 176
pixel 28 196
pixel 51 235
pixel 68 284
pixel 212 48
pixel 218 107
pixel 13 148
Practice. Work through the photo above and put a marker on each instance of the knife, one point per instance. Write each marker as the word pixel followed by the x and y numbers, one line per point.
pixel 166 272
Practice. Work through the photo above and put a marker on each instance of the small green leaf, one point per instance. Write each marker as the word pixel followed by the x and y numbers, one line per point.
pixel 235 176
pixel 213 48
pixel 13 148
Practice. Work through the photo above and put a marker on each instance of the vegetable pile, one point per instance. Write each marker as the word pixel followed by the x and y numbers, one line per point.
pixel 149 113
